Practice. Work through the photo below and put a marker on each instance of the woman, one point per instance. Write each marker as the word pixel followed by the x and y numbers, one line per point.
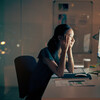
pixel 53 59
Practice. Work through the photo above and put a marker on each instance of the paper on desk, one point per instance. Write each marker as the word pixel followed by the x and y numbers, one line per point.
pixel 76 83
pixel 61 82
pixel 80 84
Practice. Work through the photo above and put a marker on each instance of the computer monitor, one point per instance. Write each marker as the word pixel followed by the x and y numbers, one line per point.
pixel 98 54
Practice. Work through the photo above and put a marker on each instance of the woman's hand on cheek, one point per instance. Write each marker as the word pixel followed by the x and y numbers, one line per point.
pixel 64 44
pixel 72 43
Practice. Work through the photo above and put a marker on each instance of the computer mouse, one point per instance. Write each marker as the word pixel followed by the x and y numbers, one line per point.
pixel 80 75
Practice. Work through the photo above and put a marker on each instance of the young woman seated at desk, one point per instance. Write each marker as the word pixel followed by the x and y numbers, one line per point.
pixel 53 59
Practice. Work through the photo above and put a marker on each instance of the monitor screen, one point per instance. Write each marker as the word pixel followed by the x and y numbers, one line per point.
pixel 99 45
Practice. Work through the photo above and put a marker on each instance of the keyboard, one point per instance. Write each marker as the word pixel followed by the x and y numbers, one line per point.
pixel 76 70
pixel 74 75
pixel 77 76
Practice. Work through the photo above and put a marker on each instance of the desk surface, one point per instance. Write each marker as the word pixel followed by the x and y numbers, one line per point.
pixel 66 91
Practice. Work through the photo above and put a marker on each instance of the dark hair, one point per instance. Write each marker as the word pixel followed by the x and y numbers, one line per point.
pixel 60 30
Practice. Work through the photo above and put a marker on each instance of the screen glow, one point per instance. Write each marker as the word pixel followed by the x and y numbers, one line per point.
pixel 99 45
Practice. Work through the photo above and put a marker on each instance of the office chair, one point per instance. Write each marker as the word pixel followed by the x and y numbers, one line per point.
pixel 24 66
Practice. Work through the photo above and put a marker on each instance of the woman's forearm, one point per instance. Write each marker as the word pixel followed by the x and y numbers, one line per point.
pixel 58 69
pixel 62 63
pixel 70 63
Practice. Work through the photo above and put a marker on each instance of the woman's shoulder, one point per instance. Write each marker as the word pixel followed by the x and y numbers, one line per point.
pixel 45 53
pixel 45 49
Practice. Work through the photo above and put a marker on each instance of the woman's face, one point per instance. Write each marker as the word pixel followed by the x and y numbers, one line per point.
pixel 69 35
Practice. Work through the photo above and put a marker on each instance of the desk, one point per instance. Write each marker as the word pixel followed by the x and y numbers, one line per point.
pixel 54 92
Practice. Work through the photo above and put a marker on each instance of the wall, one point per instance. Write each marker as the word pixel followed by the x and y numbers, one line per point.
pixel 36 25
pixel 11 35
pixel 26 28
pixel 96 25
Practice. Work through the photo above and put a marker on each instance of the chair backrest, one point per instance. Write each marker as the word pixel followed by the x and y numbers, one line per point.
pixel 24 66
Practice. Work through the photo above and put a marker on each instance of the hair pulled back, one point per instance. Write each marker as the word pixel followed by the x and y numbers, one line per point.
pixel 53 43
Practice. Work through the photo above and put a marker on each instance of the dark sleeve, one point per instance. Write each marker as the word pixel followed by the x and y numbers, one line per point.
pixel 45 53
